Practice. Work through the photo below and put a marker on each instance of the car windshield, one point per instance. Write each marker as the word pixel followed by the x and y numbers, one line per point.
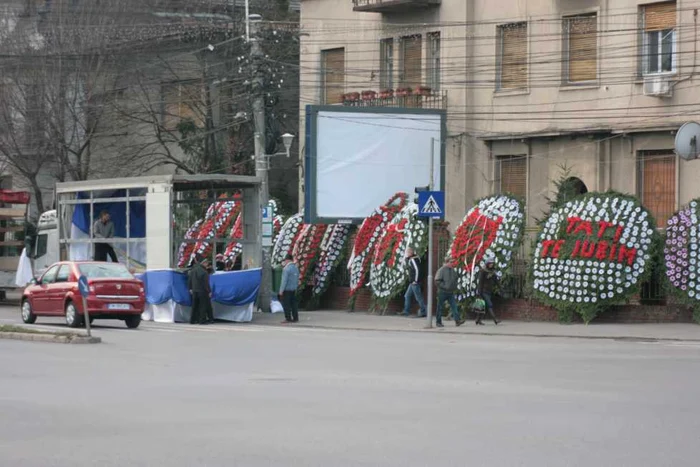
pixel 104 271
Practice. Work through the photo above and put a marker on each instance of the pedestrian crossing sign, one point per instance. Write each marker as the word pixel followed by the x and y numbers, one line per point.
pixel 431 204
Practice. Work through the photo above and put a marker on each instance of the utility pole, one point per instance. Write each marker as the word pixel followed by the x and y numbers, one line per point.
pixel 261 160
pixel 430 239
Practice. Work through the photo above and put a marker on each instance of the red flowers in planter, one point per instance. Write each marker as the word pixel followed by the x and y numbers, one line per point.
pixel 351 97
pixel 424 91
pixel 403 92
pixel 386 94
pixel 368 95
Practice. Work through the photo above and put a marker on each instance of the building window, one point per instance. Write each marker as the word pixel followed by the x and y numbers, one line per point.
pixel 182 101
pixel 333 75
pixel 433 81
pixel 580 48
pixel 512 174
pixel 659 38
pixel 656 184
pixel 512 56
pixel 410 73
pixel 386 65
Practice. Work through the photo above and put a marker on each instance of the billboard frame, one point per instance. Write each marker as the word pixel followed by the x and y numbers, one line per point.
pixel 312 111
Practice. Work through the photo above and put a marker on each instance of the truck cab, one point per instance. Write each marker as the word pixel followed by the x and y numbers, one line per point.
pixel 45 251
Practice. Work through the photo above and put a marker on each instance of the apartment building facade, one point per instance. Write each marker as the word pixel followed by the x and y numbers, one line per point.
pixel 598 87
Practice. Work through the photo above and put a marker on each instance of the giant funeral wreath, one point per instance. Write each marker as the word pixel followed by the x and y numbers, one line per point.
pixel 593 252
pixel 682 255
pixel 493 228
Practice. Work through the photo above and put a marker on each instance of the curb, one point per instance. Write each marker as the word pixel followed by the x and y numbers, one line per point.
pixel 631 339
pixel 53 338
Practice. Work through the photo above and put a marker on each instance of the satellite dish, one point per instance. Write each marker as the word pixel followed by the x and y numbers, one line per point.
pixel 688 141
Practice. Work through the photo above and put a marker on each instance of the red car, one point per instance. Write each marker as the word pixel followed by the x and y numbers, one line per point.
pixel 114 294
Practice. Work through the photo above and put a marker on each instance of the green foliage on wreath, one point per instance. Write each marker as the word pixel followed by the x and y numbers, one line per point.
pixel 588 310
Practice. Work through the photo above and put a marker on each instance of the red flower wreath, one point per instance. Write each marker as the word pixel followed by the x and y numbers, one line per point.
pixel 367 236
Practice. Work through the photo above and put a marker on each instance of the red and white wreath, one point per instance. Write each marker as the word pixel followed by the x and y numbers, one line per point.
pixel 307 250
pixel 493 228
pixel 222 216
pixel 184 253
pixel 388 273
pixel 367 237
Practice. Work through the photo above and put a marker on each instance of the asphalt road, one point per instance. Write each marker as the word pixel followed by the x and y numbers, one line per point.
pixel 225 395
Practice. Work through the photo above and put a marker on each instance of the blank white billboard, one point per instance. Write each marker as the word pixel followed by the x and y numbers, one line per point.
pixel 357 158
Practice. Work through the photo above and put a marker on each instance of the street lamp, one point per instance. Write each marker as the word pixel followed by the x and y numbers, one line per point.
pixel 287 139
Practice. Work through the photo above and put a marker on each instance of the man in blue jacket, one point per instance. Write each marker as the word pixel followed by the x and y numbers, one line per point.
pixel 288 290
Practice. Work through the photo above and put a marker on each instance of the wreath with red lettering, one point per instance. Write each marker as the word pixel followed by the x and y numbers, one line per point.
pixel 593 252
pixel 286 239
pixel 682 256
pixel 307 250
pixel 388 273
pixel 332 247
pixel 367 236
pixel 493 228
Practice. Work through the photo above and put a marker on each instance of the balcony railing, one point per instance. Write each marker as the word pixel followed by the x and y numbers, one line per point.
pixel 388 6
pixel 423 98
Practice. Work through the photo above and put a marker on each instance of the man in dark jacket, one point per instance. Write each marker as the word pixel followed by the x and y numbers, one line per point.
pixel 486 284
pixel 446 281
pixel 414 280
pixel 103 228
pixel 198 284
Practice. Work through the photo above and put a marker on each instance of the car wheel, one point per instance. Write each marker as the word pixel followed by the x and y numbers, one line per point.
pixel 28 315
pixel 73 318
pixel 132 322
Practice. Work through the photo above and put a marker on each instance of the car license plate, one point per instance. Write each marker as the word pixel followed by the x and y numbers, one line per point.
pixel 119 306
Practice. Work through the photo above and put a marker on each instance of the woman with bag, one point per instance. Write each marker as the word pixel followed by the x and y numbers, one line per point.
pixel 486 283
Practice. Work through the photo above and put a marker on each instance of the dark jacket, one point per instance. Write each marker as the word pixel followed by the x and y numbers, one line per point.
pixel 413 265
pixel 446 279
pixel 487 281
pixel 198 280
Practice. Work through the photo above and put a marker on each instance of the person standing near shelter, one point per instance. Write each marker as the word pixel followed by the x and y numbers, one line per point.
pixel 200 290
pixel 103 228
pixel 414 280
pixel 446 281
pixel 288 290
pixel 486 284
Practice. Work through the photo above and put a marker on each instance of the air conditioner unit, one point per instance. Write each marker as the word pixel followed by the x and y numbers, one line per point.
pixel 658 86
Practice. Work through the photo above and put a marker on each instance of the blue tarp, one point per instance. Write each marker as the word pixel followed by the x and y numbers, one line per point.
pixel 236 288
pixel 137 213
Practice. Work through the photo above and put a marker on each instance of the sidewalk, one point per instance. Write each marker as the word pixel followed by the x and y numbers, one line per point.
pixel 361 321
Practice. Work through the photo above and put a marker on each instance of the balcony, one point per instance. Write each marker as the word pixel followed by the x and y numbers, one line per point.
pixel 392 6
pixel 422 98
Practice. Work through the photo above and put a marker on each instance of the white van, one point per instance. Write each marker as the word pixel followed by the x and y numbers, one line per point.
pixel 45 248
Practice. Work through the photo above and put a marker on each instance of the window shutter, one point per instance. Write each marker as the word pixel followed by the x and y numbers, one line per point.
pixel 583 48
pixel 514 56
pixel 333 75
pixel 659 186
pixel 514 175
pixel 660 16
pixel 412 68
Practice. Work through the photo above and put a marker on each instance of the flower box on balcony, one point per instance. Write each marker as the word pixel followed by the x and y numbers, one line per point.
pixel 368 95
pixel 386 94
pixel 351 97
pixel 403 92
pixel 424 91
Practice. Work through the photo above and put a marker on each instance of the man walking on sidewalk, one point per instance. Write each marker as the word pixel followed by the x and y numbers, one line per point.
pixel 414 280
pixel 486 285
pixel 446 281
pixel 288 290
